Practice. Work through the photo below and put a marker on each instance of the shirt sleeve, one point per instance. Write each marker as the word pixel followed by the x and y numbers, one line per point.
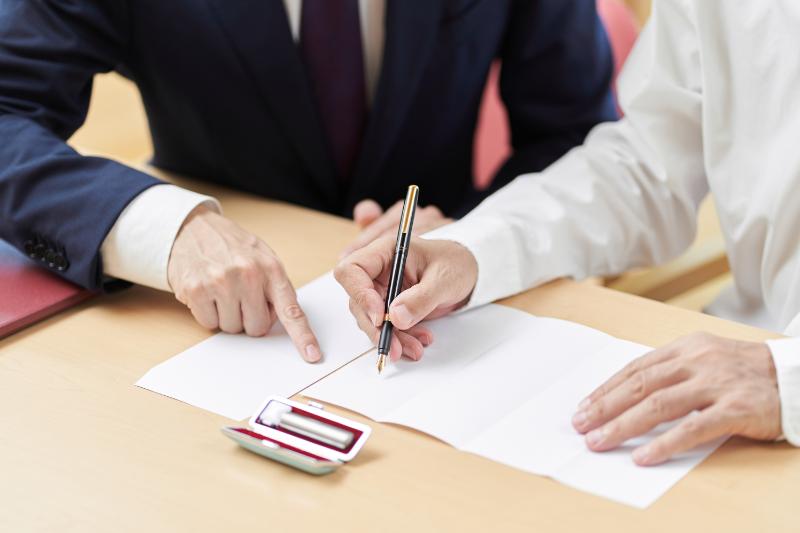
pixel 628 197
pixel 138 247
pixel 786 356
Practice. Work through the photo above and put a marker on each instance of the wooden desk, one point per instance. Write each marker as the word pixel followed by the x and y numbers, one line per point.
pixel 83 449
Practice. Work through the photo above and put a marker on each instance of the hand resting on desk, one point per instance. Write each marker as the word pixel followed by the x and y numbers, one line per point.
pixel 231 280
pixel 731 384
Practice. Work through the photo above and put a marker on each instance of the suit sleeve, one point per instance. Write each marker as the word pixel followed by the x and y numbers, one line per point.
pixel 555 82
pixel 56 205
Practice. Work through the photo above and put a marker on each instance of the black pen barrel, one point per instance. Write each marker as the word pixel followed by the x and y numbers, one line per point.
pixel 386 338
pixel 398 265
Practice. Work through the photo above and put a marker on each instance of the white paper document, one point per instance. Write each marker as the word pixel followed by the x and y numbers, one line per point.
pixel 232 374
pixel 504 384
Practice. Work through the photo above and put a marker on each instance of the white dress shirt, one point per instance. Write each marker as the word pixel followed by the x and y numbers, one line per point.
pixel 711 95
pixel 138 247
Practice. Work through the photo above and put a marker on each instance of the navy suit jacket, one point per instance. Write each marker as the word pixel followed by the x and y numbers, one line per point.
pixel 228 101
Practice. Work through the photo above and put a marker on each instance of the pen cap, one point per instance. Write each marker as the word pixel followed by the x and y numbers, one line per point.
pixel 409 208
pixel 309 429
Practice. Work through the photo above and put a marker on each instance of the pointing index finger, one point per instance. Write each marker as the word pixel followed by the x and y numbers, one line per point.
pixel 284 299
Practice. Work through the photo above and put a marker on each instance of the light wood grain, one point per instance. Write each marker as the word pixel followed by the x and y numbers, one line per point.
pixel 700 297
pixel 82 449
pixel 116 124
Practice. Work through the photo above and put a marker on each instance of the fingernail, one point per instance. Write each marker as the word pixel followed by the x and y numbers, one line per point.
pixel 400 316
pixel 641 455
pixel 312 354
pixel 579 419
pixel 585 403
pixel 377 319
pixel 596 437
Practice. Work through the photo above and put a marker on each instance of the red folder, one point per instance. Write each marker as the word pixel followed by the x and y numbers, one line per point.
pixel 29 293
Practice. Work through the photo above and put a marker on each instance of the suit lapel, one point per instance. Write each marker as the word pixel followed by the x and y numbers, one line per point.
pixel 259 31
pixel 411 29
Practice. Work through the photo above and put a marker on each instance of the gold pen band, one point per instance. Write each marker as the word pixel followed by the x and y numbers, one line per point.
pixel 411 199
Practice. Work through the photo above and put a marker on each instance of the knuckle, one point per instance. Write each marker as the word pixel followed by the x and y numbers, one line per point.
pixel 207 322
pixel 692 425
pixel 702 343
pixel 231 328
pixel 244 266
pixel 258 331
pixel 361 298
pixel 272 266
pixel 630 369
pixel 293 312
pixel 258 327
pixel 737 407
pixel 282 285
pixel 193 291
pixel 655 405
pixel 638 386
pixel 251 241
pixel 598 394
pixel 446 270
pixel 209 325
pixel 598 410
pixel 341 271
pixel 216 280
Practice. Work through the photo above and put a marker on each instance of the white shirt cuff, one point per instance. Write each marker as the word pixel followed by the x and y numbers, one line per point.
pixel 498 272
pixel 786 356
pixel 138 247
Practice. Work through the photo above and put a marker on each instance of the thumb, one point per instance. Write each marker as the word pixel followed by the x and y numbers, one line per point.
pixel 417 302
pixel 366 212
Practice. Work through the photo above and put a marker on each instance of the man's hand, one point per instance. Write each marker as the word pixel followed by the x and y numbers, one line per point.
pixel 375 223
pixel 439 277
pixel 233 281
pixel 731 383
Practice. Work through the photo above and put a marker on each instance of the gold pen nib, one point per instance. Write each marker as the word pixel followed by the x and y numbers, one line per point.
pixel 381 362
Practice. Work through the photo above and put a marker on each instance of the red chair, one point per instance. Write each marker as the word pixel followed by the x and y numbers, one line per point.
pixel 492 139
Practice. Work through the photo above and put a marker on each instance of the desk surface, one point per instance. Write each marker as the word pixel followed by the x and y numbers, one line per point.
pixel 83 449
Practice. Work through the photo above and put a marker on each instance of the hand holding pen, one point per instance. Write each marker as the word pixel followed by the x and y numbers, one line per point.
pixel 396 274
pixel 439 276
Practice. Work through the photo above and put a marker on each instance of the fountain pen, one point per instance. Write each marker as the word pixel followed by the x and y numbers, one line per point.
pixel 398 265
